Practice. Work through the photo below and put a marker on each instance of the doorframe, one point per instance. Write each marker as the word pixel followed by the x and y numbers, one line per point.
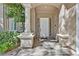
pixel 49 25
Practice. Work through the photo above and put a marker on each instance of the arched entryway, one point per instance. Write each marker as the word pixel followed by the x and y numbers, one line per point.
pixel 44 21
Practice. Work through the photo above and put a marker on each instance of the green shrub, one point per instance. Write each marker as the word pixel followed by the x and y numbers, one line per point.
pixel 8 40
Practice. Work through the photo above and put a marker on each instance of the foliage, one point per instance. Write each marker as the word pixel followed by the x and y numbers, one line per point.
pixel 16 10
pixel 8 40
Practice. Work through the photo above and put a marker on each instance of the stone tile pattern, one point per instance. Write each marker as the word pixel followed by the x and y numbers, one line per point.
pixel 45 49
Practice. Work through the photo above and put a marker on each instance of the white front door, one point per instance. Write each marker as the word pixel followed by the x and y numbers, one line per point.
pixel 44 27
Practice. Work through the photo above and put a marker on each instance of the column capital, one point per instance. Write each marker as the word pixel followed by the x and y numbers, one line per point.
pixel 26 5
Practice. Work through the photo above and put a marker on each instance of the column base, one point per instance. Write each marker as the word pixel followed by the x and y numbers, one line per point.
pixel 26 40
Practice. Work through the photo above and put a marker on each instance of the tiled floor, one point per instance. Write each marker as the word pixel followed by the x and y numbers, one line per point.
pixel 45 49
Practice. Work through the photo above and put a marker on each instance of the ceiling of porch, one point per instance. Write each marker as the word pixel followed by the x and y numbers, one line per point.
pixel 57 5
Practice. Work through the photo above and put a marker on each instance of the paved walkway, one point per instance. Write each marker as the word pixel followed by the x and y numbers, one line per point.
pixel 45 49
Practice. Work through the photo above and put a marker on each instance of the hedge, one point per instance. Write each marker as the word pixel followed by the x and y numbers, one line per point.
pixel 8 41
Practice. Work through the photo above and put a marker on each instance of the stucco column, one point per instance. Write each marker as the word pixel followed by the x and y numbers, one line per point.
pixel 27 37
pixel 27 17
pixel 1 17
pixel 77 28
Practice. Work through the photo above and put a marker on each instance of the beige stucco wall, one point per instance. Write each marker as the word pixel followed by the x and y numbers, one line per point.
pixel 32 18
pixel 5 18
pixel 54 26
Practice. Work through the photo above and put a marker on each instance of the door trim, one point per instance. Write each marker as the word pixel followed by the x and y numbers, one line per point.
pixel 48 26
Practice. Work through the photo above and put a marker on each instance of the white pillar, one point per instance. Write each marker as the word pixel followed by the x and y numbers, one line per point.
pixel 26 37
pixel 77 28
pixel 27 17
pixel 1 17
